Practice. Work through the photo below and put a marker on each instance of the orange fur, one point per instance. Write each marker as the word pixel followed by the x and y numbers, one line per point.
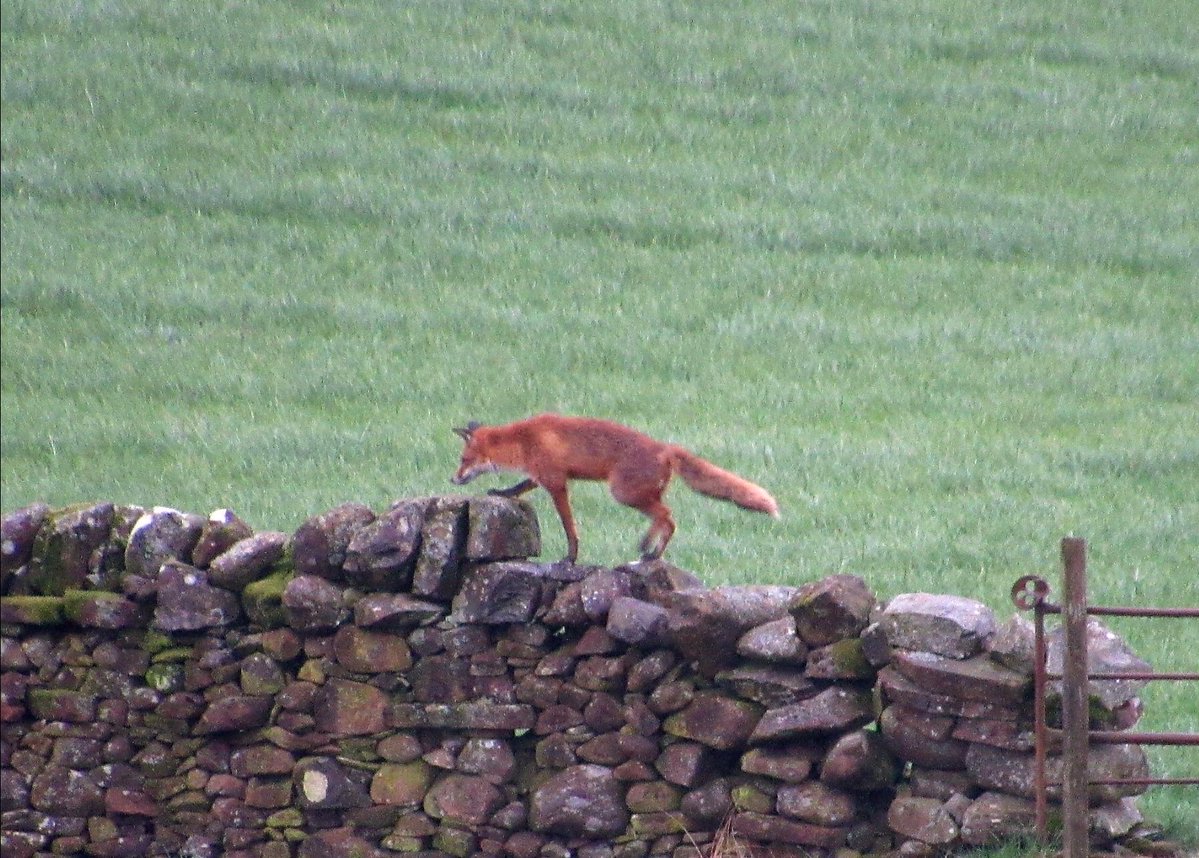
pixel 551 450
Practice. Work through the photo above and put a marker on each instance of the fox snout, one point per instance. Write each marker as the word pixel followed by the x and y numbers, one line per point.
pixel 467 472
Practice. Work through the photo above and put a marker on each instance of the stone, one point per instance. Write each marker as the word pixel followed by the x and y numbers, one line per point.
pixel 187 602
pixel 337 843
pixel 978 678
pixel 1106 653
pixel 686 764
pixel 313 604
pixel 612 749
pixel 566 607
pixel 1014 644
pixel 66 792
pixel 705 625
pixel 653 797
pixel 770 685
pixel 129 802
pixel 875 647
pixel 923 819
pixel 382 555
pixel 233 713
pixel 921 738
pixel 841 660
pixel 441 679
pixel 995 817
pixel 262 600
pixel 12 696
pixel 158 536
pixel 720 722
pixel 18 530
pixel 476 715
pixel 260 674
pixel 322 783
pixel 32 611
pixel 952 626
pixel 637 622
pixel 247 560
pixel 897 688
pixel 789 762
pixel 600 588
pixel 218 534
pixel 1113 820
pixel 269 793
pixel 940 784
pixel 395 611
pixel 14 790
pixel 320 544
pixel 64 545
pixel 817 803
pixel 500 593
pixel 490 759
pixel 581 801
pixel 998 732
pixel 710 804
pixel 776 829
pixel 776 642
pixel 345 708
pixel 1013 772
pixel 98 609
pixel 501 528
pixel 261 760
pixel 462 800
pixel 438 570
pixel 831 609
pixel 362 651
pixel 834 710
pixel 860 761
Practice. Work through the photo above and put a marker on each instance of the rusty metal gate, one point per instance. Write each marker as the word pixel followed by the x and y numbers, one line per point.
pixel 1032 593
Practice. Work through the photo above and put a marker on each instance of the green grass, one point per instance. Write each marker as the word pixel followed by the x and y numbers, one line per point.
pixel 928 271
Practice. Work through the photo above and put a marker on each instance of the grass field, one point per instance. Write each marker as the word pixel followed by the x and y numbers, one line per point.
pixel 928 271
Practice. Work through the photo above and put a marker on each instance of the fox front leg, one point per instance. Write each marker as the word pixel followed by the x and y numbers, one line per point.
pixel 515 491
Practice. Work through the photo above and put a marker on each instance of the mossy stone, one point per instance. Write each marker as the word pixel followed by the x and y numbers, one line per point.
pixel 32 610
pixel 165 678
pixel 290 817
pixel 63 547
pixel 155 641
pixel 262 600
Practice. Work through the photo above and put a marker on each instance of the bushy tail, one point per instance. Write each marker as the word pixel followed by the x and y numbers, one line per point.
pixel 707 479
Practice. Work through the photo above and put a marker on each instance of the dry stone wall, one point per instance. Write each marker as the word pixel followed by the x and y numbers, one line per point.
pixel 410 683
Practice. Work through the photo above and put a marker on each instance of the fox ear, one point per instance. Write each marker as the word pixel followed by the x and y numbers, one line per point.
pixel 465 434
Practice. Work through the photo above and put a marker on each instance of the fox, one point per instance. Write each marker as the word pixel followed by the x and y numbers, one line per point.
pixel 553 449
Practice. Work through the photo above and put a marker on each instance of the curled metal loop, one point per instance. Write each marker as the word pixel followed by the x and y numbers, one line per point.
pixel 1029 591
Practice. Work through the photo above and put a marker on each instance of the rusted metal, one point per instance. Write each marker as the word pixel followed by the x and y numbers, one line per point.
pixel 1031 593
pixel 1179 677
pixel 1112 737
pixel 1075 716
pixel 1176 613
pixel 1148 782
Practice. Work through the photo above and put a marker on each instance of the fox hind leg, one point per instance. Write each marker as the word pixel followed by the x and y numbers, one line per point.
pixel 640 485
pixel 660 531
pixel 649 504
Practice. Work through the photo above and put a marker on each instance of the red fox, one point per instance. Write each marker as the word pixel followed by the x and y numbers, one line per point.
pixel 551 450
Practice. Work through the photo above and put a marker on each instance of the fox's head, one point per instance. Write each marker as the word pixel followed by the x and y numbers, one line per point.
pixel 475 460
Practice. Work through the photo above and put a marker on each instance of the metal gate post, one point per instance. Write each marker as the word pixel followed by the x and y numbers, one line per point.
pixel 1075 717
